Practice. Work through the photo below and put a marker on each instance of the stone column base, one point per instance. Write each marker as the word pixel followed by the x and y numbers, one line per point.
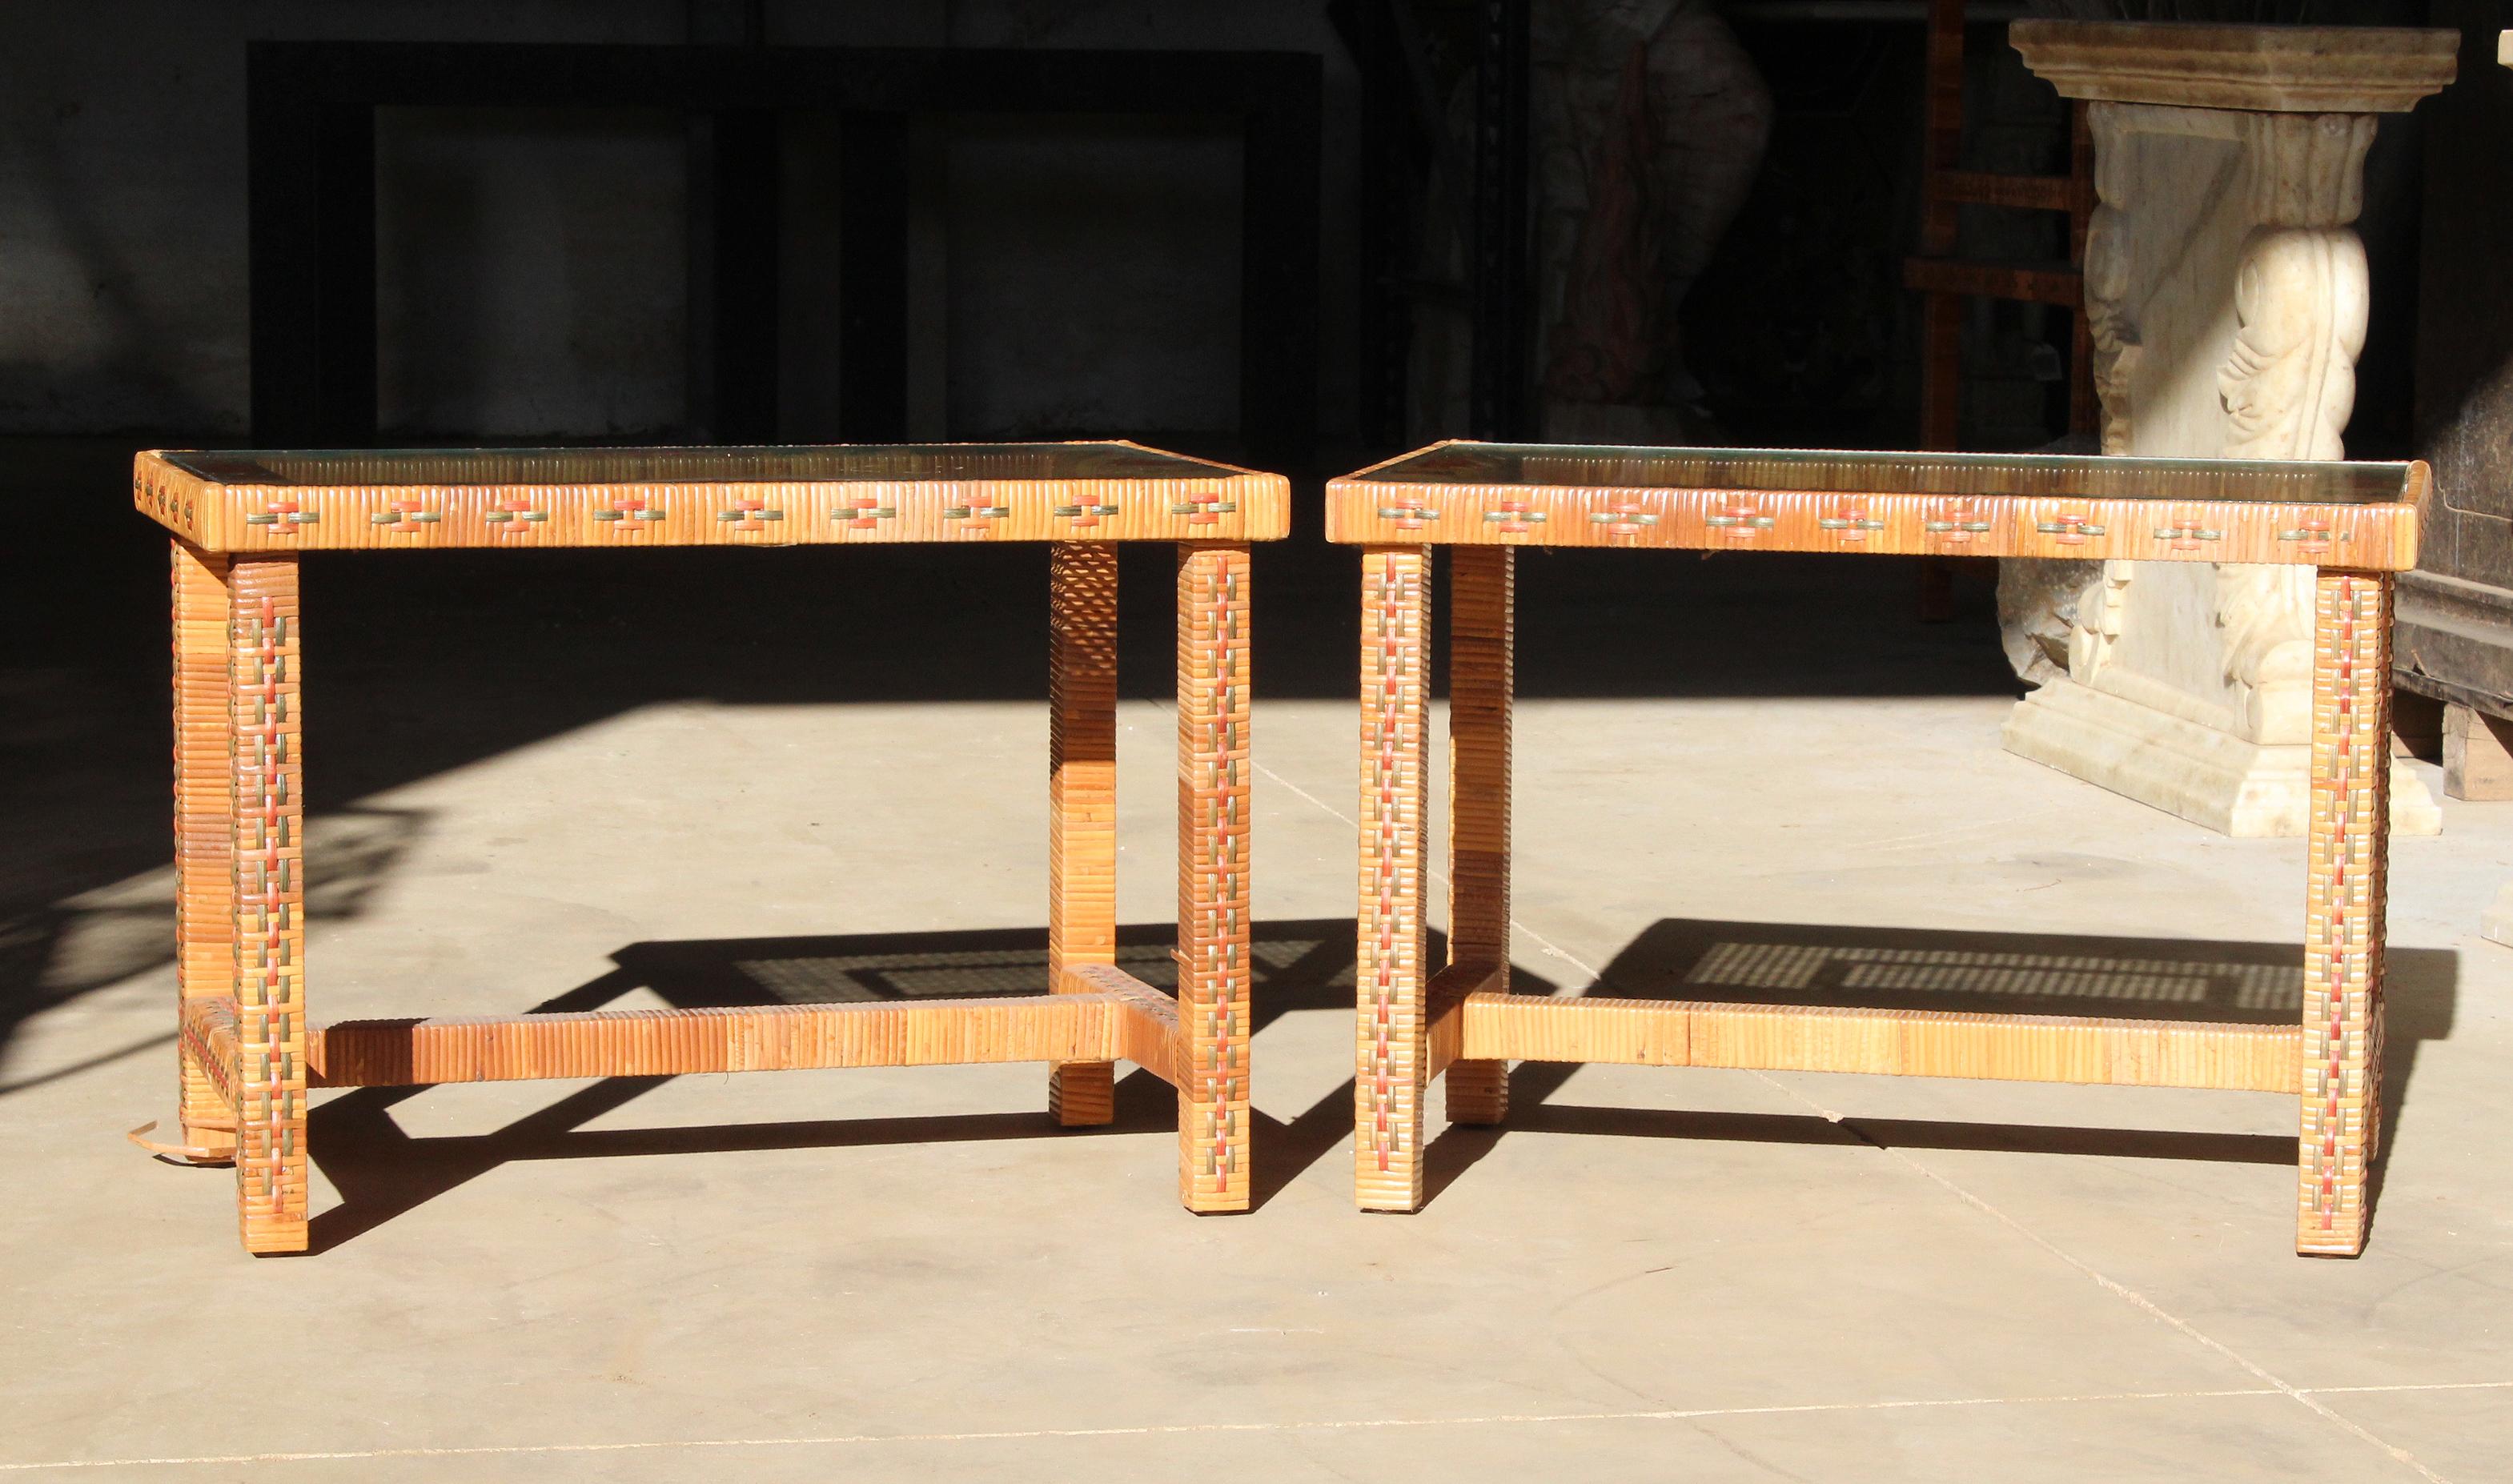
pixel 2207 776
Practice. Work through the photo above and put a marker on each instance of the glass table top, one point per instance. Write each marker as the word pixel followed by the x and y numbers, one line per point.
pixel 1826 471
pixel 801 463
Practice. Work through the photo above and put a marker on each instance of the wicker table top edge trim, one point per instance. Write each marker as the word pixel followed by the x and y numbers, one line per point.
pixel 2372 535
pixel 1224 505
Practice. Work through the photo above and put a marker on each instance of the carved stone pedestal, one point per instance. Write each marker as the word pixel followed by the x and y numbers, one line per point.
pixel 2226 292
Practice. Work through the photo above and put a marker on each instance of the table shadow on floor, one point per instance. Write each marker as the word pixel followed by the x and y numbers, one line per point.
pixel 2159 978
pixel 382 1171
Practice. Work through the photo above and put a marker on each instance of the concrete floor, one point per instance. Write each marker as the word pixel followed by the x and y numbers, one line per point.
pixel 911 1274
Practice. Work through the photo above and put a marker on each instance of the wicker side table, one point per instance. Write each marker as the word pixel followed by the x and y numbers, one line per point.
pixel 241 521
pixel 2355 524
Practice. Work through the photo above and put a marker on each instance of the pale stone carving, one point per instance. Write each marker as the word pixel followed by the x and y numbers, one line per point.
pixel 2225 291
pixel 2265 68
pixel 2037 614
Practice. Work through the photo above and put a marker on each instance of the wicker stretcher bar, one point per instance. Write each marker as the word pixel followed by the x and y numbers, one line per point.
pixel 2356 523
pixel 247 1054
pixel 2012 1047
pixel 1138 1025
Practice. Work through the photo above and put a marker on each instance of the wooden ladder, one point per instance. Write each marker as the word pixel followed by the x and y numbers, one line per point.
pixel 1945 280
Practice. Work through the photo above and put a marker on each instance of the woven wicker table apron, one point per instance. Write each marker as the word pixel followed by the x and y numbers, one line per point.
pixel 241 521
pixel 2355 524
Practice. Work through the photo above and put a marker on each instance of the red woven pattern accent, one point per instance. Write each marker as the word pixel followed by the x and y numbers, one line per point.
pixel 2187 532
pixel 1740 516
pixel 514 517
pixel 1515 517
pixel 1956 523
pixel 749 515
pixel 1850 520
pixel 1204 510
pixel 1395 609
pixel 2311 536
pixel 1087 517
pixel 1212 879
pixel 283 517
pixel 2068 530
pixel 1624 518
pixel 2343 906
pixel 630 516
pixel 1408 511
pixel 404 517
pixel 269 904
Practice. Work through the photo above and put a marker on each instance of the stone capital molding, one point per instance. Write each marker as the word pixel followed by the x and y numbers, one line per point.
pixel 2226 301
pixel 2268 68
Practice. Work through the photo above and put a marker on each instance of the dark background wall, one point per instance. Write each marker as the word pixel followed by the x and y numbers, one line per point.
pixel 1069 275
pixel 532 269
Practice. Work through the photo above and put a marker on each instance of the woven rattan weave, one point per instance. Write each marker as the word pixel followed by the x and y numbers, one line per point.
pixel 246 1052
pixel 2355 523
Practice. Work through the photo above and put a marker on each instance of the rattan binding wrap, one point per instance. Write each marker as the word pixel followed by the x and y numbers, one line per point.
pixel 666 497
pixel 2168 510
pixel 2357 523
pixel 266 684
pixel 1212 778
pixel 1390 1068
pixel 1482 583
pixel 212 1049
pixel 1081 799
pixel 204 845
pixel 1902 1043
pixel 2346 864
pixel 245 1054
pixel 641 1043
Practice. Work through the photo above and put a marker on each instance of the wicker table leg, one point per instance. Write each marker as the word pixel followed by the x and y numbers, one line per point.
pixel 1393 1059
pixel 2345 861
pixel 1081 800
pixel 268 896
pixel 1481 588
pixel 1213 875
pixel 204 845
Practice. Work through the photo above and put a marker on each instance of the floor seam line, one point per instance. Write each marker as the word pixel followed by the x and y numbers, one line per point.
pixel 2300 1395
pixel 1435 873
pixel 2117 1288
pixel 1171 1430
